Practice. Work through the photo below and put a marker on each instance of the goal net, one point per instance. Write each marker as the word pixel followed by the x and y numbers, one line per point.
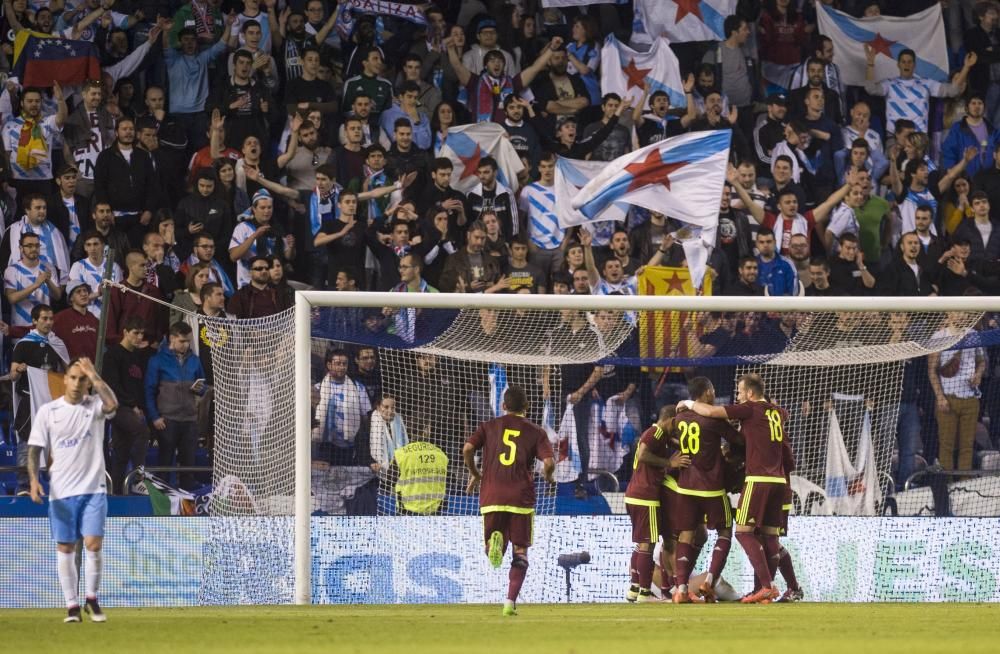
pixel 394 391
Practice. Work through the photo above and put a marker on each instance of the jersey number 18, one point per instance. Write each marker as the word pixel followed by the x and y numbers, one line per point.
pixel 774 421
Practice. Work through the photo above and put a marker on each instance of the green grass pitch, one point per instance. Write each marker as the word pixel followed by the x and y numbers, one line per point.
pixel 549 629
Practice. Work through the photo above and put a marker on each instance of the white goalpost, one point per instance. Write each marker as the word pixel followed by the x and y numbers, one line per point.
pixel 839 334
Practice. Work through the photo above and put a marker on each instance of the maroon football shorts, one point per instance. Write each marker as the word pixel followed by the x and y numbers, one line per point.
pixel 760 504
pixel 688 512
pixel 516 528
pixel 786 508
pixel 645 522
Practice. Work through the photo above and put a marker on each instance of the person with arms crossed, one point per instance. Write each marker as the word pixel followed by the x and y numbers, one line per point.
pixel 71 429
pixel 761 425
pixel 510 445
pixel 642 501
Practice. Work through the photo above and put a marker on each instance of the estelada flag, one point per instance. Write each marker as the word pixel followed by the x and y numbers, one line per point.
pixel 41 60
pixel 669 334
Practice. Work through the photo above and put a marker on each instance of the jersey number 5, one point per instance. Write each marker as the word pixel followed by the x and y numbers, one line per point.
pixel 507 458
pixel 774 420
pixel 690 437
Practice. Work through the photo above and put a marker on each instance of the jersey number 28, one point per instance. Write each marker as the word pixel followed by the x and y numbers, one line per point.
pixel 507 458
pixel 690 437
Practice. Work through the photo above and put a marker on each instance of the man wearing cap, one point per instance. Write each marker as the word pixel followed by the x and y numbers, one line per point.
pixel 769 132
pixel 77 326
pixel 486 40
pixel 258 236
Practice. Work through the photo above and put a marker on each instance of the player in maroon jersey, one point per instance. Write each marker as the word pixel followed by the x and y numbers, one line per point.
pixel 510 445
pixel 700 496
pixel 642 500
pixel 761 424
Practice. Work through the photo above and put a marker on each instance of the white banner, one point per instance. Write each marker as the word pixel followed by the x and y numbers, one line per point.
pixel 888 35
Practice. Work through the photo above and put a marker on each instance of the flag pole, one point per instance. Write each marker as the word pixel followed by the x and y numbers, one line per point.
pixel 102 326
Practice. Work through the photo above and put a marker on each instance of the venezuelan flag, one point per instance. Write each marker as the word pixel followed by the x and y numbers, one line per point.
pixel 41 59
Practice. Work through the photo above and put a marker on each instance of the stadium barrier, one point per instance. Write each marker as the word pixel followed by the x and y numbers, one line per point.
pixel 162 561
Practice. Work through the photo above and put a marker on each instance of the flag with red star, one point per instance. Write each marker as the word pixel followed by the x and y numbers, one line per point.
pixel 681 177
pixel 686 20
pixel 571 176
pixel 467 145
pixel 658 67
pixel 888 36
pixel 669 334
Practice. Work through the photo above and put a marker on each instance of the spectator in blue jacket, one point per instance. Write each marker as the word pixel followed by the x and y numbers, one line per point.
pixel 775 274
pixel 174 379
pixel 187 71
pixel 972 131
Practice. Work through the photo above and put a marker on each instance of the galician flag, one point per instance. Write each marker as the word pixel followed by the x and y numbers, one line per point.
pixel 571 176
pixel 467 145
pixel 681 177
pixel 686 20
pixel 658 67
pixel 888 35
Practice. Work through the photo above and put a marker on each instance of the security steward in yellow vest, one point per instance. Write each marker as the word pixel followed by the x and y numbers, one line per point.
pixel 423 468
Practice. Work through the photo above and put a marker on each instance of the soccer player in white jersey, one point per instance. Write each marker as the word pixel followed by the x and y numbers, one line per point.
pixel 908 95
pixel 70 429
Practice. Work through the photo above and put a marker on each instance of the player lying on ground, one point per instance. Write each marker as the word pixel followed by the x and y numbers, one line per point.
pixel 510 445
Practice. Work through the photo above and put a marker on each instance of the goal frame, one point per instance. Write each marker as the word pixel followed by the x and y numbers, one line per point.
pixel 305 301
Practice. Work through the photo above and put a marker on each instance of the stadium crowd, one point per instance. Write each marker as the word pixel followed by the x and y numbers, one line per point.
pixel 229 148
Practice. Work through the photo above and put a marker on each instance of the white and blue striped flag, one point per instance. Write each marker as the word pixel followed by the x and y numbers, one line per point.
pixel 681 177
pixel 685 20
pixel 923 33
pixel 658 67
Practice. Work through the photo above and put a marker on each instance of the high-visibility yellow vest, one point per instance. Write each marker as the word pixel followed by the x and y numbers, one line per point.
pixel 423 468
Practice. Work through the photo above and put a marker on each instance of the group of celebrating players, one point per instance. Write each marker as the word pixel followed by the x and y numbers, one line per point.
pixel 684 468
